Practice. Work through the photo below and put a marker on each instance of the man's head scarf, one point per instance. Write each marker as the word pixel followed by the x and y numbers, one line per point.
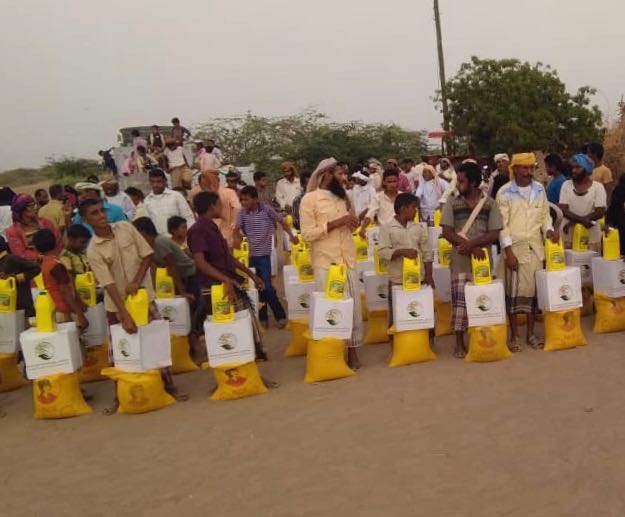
pixel 522 159
pixel 19 204
pixel 501 156
pixel 315 178
pixel 584 162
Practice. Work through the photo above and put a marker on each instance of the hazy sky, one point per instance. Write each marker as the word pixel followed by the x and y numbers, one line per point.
pixel 74 73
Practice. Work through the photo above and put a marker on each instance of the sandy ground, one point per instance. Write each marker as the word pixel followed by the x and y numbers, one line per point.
pixel 539 434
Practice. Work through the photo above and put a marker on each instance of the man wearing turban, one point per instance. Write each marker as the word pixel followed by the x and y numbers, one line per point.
pixel 527 222
pixel 327 221
pixel 582 201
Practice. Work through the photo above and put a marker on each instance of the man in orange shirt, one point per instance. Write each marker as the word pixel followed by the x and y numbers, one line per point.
pixel 229 200
pixel 600 173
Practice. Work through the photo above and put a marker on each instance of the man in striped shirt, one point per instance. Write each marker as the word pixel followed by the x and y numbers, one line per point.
pixel 256 221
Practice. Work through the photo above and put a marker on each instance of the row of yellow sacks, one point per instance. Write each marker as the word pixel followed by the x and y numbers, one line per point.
pixel 59 395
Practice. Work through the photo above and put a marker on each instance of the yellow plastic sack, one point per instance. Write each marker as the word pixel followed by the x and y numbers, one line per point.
pixel 488 343
pixel 325 360
pixel 10 376
pixel 363 306
pixel 563 329
pixel 442 318
pixel 59 396
pixel 96 358
pixel 237 381
pixel 181 361
pixel 377 328
pixel 299 343
pixel 139 392
pixel 410 347
pixel 610 314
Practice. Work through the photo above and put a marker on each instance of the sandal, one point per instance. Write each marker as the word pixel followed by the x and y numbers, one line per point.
pixel 514 346
pixel 460 353
pixel 535 342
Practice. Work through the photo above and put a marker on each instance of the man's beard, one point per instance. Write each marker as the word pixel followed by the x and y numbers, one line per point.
pixel 337 189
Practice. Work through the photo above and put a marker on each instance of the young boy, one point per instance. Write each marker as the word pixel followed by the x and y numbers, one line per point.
pixel 402 238
pixel 24 271
pixel 177 228
pixel 256 221
pixel 382 205
pixel 429 193
pixel 216 265
pixel 120 258
pixel 73 257
pixel 58 282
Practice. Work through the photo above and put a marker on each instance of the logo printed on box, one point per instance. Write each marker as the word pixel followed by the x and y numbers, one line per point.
pixel 621 276
pixel 304 301
pixel 382 291
pixel 415 309
pixel 227 341
pixel 45 351
pixel 124 347
pixel 484 303
pixel 169 313
pixel 334 316
pixel 565 292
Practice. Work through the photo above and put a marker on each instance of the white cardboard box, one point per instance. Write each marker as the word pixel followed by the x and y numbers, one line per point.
pixel 442 282
pixel 608 277
pixel 11 326
pixel 177 312
pixel 149 348
pixel 376 291
pixel 582 260
pixel 298 298
pixel 486 304
pixel 433 235
pixel 288 272
pixel 47 353
pixel 559 290
pixel 97 332
pixel 362 268
pixel 232 342
pixel 373 238
pixel 331 318
pixel 413 310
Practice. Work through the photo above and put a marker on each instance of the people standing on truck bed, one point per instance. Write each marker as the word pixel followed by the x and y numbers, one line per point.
pixel 179 133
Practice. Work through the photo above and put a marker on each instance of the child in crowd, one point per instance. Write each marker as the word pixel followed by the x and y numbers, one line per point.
pixel 256 221
pixel 58 282
pixel 74 256
pixel 177 228
pixel 24 271
pixel 402 238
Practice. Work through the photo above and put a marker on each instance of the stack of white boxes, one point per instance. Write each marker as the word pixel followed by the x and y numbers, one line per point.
pixel 298 298
pixel 230 342
pixel 486 304
pixel 331 317
pixel 47 353
pixel 608 277
pixel 582 260
pixel 413 310
pixel 147 349
pixel 559 290
pixel 176 311
pixel 11 326
pixel 376 291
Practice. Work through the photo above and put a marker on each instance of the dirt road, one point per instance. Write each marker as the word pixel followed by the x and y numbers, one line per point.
pixel 542 434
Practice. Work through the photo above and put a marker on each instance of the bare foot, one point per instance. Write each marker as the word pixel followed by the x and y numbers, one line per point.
pixel 352 359
pixel 108 411
pixel 270 384
pixel 460 351
pixel 514 346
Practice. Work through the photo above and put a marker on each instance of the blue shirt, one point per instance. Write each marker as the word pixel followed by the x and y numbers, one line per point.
pixel 114 214
pixel 258 225
pixel 554 187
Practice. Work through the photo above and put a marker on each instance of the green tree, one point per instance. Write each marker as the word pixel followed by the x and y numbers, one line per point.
pixel 508 105
pixel 307 138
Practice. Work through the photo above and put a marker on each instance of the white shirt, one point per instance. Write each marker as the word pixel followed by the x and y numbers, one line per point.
pixel 175 158
pixel 584 205
pixel 429 194
pixel 139 141
pixel 287 191
pixel 451 183
pixel 160 207
pixel 361 197
pixel 123 201
pixel 375 180
pixel 208 162
pixel 382 206
pixel 6 218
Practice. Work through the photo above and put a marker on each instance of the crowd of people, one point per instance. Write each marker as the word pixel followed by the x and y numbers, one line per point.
pixel 192 229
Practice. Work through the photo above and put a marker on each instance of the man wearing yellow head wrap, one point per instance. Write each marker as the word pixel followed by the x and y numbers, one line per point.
pixel 525 210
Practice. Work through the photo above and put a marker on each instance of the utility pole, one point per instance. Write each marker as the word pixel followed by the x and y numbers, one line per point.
pixel 441 67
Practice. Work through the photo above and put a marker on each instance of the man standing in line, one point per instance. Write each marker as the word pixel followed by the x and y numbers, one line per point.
pixel 467 239
pixel 178 132
pixel 524 209
pixel 288 187
pixel 87 190
pixel 163 203
pixel 554 166
pixel 207 161
pixel 361 195
pixel 327 223
pixel 56 211
pixel 113 195
pixel 260 182
pixel 500 175
pixel 304 177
